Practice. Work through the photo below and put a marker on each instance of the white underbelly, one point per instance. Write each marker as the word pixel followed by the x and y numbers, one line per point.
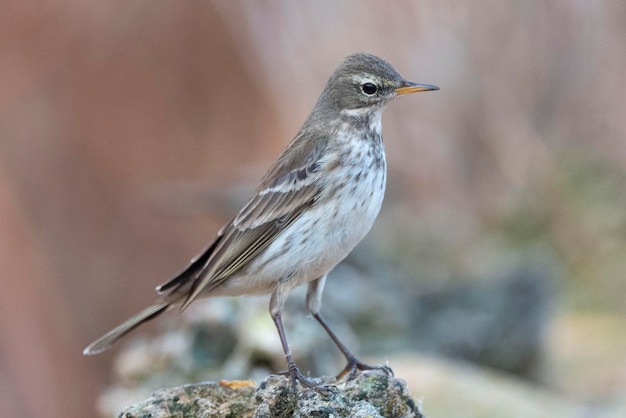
pixel 317 241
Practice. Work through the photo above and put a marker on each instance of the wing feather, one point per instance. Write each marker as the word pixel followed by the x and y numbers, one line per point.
pixel 290 187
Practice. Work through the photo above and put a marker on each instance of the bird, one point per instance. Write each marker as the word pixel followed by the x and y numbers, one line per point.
pixel 315 204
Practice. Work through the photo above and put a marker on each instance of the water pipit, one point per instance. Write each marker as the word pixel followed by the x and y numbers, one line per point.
pixel 315 204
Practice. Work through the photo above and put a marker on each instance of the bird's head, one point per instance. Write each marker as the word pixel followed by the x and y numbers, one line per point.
pixel 366 81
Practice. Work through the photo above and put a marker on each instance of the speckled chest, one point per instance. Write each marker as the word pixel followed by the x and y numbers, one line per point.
pixel 353 177
pixel 347 207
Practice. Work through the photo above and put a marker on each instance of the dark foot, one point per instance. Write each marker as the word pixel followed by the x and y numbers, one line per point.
pixel 354 366
pixel 297 377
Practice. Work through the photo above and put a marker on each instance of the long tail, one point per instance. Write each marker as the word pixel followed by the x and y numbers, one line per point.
pixel 106 341
pixel 172 293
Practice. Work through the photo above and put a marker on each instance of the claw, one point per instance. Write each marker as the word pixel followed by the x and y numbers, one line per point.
pixel 354 366
pixel 297 377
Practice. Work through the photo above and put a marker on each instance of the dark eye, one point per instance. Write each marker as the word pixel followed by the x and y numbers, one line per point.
pixel 369 88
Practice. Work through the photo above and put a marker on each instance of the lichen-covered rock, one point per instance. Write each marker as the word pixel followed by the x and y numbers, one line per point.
pixel 370 394
pixel 207 400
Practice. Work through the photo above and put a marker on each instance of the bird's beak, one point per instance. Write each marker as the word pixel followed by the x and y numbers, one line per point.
pixel 411 87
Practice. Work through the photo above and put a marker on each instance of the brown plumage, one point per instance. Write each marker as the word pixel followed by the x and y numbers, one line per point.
pixel 317 201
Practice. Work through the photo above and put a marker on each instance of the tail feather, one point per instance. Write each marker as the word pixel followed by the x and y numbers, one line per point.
pixel 183 281
pixel 172 292
pixel 106 341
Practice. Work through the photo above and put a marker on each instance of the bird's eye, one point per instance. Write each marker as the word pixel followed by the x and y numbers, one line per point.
pixel 369 88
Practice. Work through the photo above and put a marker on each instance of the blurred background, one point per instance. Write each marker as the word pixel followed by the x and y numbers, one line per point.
pixel 131 131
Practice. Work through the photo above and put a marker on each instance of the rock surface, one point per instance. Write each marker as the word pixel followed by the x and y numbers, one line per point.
pixel 370 394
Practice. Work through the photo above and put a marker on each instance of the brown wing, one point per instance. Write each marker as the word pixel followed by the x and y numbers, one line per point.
pixel 287 190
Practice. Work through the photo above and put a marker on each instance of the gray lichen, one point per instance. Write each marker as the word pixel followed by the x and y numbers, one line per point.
pixel 370 394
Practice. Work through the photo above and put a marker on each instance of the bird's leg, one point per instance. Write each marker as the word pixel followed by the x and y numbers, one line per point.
pixel 354 364
pixel 314 303
pixel 276 304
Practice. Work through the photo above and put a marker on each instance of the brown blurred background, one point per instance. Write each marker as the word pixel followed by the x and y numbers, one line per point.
pixel 130 130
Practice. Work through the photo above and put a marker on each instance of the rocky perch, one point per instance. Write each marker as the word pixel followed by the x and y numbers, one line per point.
pixel 369 394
